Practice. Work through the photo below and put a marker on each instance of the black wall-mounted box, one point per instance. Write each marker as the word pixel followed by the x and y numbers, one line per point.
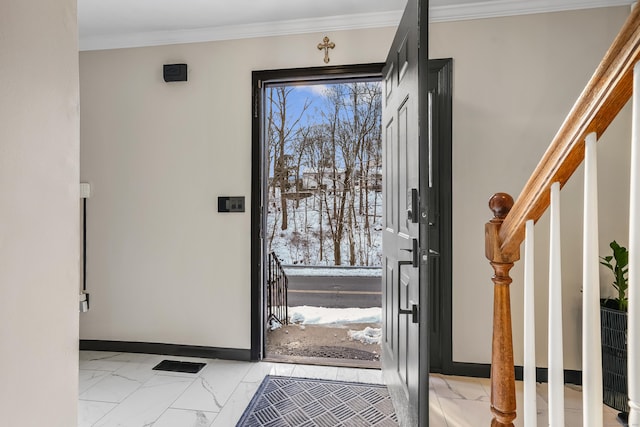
pixel 175 72
pixel 231 204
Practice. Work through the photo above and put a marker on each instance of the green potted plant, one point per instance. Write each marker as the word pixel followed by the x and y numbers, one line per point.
pixel 620 272
pixel 613 315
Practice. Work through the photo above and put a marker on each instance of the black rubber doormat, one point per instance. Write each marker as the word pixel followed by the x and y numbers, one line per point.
pixel 178 366
pixel 302 402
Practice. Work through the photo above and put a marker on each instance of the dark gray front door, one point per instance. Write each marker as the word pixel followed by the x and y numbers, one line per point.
pixel 405 264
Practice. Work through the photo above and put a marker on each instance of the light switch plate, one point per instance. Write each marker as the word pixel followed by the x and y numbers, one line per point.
pixel 231 204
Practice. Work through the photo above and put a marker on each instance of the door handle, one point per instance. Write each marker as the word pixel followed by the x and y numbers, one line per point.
pixel 414 310
pixel 413 205
pixel 415 255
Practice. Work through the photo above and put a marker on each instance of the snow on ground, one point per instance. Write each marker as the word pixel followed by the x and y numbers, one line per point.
pixel 367 335
pixel 300 242
pixel 308 315
pixel 274 324
pixel 332 271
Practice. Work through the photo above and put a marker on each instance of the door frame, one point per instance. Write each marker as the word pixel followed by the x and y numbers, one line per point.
pixel 338 73
pixel 443 125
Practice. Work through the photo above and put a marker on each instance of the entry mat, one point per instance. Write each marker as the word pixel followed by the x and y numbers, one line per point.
pixel 302 402
pixel 178 366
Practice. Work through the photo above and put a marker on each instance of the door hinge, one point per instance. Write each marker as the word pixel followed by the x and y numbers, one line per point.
pixel 255 105
pixel 256 99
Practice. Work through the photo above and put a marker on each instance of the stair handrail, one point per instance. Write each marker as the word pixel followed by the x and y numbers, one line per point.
pixel 601 100
pixel 606 93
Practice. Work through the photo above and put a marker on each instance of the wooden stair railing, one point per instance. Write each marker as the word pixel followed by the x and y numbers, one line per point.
pixel 607 92
pixel 503 382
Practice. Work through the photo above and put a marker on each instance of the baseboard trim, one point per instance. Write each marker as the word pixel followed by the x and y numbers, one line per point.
pixel 476 370
pixel 167 349
pixel 542 375
pixel 483 370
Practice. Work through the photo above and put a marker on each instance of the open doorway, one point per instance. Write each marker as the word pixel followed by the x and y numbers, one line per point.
pixel 320 216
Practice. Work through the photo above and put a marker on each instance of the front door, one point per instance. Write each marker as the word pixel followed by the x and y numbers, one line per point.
pixel 405 240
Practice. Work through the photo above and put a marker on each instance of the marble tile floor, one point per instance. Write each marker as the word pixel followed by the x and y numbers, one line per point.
pixel 462 401
pixel 122 390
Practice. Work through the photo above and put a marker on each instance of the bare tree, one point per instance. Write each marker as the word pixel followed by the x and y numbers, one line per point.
pixel 358 117
pixel 281 129
pixel 333 158
pixel 340 176
pixel 317 160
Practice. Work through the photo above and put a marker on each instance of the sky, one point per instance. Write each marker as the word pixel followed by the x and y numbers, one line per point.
pixel 301 94
pixel 314 94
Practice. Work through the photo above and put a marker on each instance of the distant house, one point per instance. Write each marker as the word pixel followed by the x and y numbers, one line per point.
pixel 314 180
pixel 374 179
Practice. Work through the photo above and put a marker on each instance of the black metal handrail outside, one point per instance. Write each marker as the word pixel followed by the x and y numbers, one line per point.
pixel 277 286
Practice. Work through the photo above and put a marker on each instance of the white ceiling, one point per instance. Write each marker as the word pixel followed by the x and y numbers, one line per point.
pixel 106 24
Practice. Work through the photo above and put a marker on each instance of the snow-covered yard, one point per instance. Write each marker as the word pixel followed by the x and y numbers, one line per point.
pixel 307 239
pixel 333 271
pixel 307 315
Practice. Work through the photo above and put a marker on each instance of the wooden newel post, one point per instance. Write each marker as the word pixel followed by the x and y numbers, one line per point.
pixel 503 382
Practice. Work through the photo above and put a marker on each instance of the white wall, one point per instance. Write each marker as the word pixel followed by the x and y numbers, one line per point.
pixel 515 79
pixel 163 265
pixel 39 171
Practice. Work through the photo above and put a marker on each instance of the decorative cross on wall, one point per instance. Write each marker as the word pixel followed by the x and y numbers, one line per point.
pixel 326 45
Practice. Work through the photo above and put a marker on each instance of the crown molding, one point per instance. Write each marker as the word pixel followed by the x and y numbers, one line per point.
pixel 499 8
pixel 264 29
pixel 459 12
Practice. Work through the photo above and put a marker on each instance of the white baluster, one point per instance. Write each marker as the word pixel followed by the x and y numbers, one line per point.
pixel 556 355
pixel 633 335
pixel 591 344
pixel 530 409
